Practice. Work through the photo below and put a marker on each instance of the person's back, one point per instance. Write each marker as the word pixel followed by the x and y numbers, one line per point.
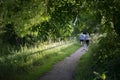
pixel 82 38
pixel 87 39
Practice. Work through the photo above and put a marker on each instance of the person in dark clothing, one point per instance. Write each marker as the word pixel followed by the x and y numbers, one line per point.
pixel 87 39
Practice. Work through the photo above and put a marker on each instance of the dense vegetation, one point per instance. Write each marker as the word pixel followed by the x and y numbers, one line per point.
pixel 29 20
pixel 30 23
pixel 102 60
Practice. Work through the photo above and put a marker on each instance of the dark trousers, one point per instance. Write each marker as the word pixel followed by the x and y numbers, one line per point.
pixel 87 42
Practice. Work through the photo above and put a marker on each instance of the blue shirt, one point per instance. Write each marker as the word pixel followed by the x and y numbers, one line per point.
pixel 87 37
pixel 82 36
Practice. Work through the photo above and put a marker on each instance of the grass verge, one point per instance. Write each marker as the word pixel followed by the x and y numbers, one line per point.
pixel 84 69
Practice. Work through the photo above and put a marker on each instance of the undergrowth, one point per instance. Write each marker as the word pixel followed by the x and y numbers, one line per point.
pixel 101 62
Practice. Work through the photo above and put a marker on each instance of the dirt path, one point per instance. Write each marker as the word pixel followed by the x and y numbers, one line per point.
pixel 64 70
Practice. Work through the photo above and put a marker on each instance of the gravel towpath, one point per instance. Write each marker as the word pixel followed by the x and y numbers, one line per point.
pixel 65 69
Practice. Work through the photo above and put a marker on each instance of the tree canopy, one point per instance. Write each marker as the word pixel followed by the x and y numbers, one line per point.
pixel 55 18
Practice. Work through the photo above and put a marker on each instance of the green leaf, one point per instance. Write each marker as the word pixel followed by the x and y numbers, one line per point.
pixel 103 76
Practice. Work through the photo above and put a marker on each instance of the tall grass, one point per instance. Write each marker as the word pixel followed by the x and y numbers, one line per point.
pixel 29 63
pixel 49 61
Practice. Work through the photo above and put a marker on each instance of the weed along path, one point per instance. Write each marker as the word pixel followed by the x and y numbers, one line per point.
pixel 64 70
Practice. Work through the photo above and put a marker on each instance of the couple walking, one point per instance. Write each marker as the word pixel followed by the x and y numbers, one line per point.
pixel 85 38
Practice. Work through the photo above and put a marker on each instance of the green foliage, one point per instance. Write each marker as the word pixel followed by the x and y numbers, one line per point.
pixel 89 22
pixel 32 20
pixel 104 56
pixel 26 22
pixel 98 76
pixel 18 17
pixel 107 54
pixel 107 9
pixel 102 59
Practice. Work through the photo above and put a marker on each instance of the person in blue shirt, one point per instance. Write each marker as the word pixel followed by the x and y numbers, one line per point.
pixel 82 38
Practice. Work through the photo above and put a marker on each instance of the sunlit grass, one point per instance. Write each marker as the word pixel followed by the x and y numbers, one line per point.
pixel 54 56
pixel 32 61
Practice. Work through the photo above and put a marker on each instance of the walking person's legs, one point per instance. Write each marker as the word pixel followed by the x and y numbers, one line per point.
pixel 81 42
pixel 87 44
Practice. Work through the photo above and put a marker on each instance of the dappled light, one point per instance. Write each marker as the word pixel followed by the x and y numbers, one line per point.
pixel 36 34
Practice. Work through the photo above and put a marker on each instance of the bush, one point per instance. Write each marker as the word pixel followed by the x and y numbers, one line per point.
pixel 102 58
